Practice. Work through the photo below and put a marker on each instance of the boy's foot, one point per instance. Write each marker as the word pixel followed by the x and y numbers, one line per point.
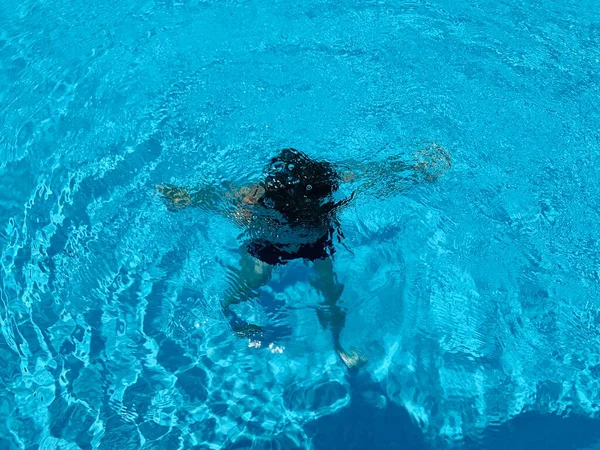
pixel 353 359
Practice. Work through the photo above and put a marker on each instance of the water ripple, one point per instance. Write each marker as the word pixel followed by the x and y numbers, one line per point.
pixel 474 296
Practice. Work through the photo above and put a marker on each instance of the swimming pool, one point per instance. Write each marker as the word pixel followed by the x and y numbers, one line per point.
pixel 475 297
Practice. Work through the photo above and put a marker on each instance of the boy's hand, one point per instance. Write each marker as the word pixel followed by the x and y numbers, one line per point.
pixel 348 176
pixel 432 162
pixel 178 197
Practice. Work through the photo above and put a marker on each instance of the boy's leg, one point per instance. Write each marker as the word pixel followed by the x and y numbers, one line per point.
pixel 243 285
pixel 330 313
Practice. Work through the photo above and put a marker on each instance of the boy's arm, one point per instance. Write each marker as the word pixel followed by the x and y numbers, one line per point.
pixel 179 197
pixel 398 173
pixel 230 202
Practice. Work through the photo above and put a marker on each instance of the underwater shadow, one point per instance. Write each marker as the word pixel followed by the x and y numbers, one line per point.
pixel 363 425
pixel 540 431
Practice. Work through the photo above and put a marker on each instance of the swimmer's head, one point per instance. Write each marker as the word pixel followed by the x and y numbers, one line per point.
pixel 295 184
pixel 295 173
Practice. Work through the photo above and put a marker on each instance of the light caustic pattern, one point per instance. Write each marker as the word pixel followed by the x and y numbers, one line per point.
pixel 475 297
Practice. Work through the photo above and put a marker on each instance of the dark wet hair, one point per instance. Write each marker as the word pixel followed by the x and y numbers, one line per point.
pixel 299 187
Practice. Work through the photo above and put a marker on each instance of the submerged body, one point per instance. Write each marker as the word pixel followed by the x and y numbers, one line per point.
pixel 292 214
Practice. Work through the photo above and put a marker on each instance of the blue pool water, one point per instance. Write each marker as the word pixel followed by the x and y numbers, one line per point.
pixel 475 297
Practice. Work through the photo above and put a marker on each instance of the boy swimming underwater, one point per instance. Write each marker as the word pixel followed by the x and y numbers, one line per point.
pixel 292 214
